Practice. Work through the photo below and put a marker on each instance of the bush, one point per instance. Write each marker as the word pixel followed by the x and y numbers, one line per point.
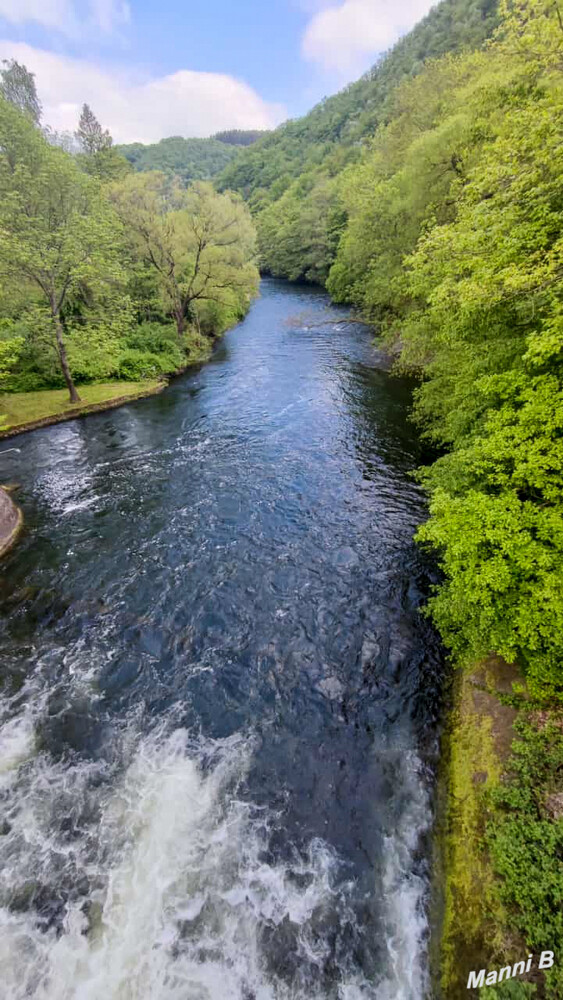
pixel 158 338
pixel 134 365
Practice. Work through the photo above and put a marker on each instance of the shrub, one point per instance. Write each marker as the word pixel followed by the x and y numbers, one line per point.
pixel 135 365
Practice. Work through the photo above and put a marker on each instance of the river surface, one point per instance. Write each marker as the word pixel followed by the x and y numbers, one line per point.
pixel 218 710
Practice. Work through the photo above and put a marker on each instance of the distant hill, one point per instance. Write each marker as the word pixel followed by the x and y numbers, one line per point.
pixel 188 159
pixel 240 137
pixel 332 132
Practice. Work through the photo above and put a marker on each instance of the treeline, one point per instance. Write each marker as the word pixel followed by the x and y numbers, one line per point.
pixel 239 136
pixel 291 178
pixel 190 159
pixel 105 273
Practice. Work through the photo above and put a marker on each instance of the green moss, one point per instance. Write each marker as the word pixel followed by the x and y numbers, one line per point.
pixel 471 914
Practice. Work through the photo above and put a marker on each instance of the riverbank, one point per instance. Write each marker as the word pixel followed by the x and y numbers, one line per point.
pixel 11 521
pixel 498 877
pixel 476 747
pixel 26 411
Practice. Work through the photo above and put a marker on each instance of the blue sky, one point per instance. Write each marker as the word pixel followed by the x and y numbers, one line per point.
pixel 152 68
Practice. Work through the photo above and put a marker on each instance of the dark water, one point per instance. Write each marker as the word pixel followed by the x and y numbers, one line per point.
pixel 218 697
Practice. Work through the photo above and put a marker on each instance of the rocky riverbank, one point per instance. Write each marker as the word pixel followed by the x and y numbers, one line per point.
pixel 11 521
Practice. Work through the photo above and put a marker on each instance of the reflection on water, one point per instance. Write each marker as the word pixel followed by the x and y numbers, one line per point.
pixel 218 698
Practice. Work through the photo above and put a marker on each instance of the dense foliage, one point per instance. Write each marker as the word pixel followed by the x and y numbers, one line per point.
pixel 83 295
pixel 198 245
pixel 187 159
pixel 479 309
pixel 17 85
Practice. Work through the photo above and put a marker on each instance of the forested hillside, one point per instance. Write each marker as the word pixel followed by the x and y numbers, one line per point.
pixel 239 136
pixel 293 168
pixel 187 159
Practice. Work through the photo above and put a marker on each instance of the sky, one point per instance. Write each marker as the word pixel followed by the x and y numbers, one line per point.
pixel 155 68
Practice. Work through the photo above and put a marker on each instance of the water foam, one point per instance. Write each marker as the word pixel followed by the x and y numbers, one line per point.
pixel 165 888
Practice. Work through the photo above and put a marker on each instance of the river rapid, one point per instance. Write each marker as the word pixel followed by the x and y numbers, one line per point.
pixel 219 700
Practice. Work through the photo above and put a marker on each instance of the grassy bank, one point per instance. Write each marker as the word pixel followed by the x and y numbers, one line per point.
pixel 500 837
pixel 24 410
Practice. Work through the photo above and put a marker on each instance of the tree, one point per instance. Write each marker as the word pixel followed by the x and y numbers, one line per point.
pixel 90 135
pixel 201 244
pixel 107 164
pixel 17 85
pixel 57 232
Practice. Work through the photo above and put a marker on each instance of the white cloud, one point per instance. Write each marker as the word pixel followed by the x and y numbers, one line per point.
pixel 70 17
pixel 108 14
pixel 347 37
pixel 139 110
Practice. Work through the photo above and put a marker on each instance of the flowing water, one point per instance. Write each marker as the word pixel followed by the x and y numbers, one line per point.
pixel 218 708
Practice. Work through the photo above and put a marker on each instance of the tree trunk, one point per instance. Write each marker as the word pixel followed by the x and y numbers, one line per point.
pixel 196 317
pixel 61 351
pixel 180 325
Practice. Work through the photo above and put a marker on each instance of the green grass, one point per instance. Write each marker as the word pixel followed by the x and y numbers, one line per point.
pixel 21 408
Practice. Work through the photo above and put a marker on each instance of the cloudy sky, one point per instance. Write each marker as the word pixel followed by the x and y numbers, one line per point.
pixel 153 68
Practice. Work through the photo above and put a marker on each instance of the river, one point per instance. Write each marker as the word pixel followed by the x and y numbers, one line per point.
pixel 218 710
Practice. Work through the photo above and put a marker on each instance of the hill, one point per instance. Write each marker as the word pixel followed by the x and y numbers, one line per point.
pixel 288 176
pixel 266 169
pixel 189 159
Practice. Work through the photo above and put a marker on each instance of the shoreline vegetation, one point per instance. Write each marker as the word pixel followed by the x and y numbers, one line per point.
pixel 106 274
pixel 26 411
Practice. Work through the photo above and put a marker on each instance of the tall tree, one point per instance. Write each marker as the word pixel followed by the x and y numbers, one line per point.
pixel 201 244
pixel 58 234
pixel 17 85
pixel 90 134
